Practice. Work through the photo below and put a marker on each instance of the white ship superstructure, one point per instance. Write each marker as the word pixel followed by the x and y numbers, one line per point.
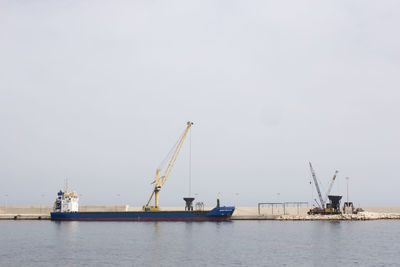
pixel 66 201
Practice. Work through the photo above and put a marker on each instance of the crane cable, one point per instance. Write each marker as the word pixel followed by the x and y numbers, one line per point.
pixel 169 154
pixel 190 162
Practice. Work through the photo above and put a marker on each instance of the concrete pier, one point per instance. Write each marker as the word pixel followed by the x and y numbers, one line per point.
pixel 24 216
pixel 255 217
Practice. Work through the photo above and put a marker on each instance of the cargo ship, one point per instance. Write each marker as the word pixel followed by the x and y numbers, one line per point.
pixel 66 207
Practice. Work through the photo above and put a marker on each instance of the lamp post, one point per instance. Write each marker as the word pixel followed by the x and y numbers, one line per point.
pixel 312 195
pixel 41 203
pixel 116 207
pixel 236 199
pixel 277 205
pixel 347 182
pixel 5 209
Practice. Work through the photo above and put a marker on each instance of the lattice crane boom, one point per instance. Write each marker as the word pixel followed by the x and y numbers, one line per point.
pixel 160 181
pixel 331 185
pixel 317 186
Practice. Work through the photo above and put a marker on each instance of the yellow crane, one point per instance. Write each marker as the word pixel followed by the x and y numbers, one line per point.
pixel 160 181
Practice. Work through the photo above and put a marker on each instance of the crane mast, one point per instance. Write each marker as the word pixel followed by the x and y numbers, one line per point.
pixel 317 186
pixel 331 185
pixel 160 181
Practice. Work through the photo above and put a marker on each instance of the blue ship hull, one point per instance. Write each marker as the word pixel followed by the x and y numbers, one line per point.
pixel 216 214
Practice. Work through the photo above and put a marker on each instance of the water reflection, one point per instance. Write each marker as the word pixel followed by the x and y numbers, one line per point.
pixel 245 243
pixel 156 229
pixel 71 227
pixel 67 233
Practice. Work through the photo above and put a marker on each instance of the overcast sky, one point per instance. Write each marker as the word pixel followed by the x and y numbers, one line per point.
pixel 99 92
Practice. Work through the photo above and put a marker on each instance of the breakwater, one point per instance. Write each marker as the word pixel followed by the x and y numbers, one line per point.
pixel 361 216
pixel 241 213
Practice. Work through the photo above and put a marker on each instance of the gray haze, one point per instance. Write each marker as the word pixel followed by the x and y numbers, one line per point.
pixel 99 91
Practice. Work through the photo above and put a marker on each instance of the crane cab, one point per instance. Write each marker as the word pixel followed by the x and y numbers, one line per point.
pixel 150 208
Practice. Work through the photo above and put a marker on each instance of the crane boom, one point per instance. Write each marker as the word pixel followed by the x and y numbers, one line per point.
pixel 160 181
pixel 317 186
pixel 331 185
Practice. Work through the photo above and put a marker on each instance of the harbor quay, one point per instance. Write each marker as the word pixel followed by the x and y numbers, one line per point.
pixel 35 212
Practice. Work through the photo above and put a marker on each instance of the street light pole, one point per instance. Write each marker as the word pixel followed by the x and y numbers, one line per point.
pixel 347 180
pixel 41 204
pixel 5 209
pixel 236 199
pixel 277 205
pixel 116 206
pixel 312 195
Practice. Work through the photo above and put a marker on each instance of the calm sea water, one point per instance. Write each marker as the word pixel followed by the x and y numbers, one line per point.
pixel 236 243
